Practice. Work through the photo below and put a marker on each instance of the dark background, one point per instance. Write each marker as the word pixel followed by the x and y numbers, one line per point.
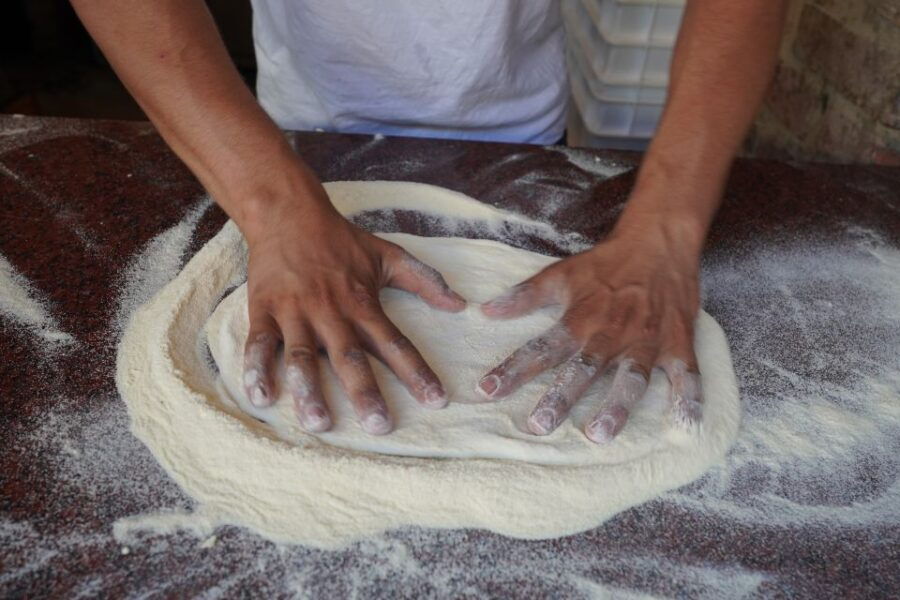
pixel 50 66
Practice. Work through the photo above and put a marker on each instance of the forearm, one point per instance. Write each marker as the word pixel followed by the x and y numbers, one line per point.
pixel 723 61
pixel 170 56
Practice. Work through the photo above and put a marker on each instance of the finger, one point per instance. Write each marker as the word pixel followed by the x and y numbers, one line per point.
pixel 628 387
pixel 537 292
pixel 538 355
pixel 572 381
pixel 355 373
pixel 301 377
pixel 395 350
pixel 686 393
pixel 412 275
pixel 260 352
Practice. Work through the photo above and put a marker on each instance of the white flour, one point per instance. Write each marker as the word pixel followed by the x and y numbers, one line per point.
pixel 22 304
pixel 328 493
pixel 821 432
pixel 590 163
pixel 87 452
pixel 156 264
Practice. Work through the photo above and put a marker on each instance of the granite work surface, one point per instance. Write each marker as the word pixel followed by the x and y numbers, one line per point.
pixel 801 271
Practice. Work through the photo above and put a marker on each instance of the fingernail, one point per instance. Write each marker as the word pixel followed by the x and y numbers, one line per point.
pixel 607 425
pixel 376 423
pixel 259 396
pixel 315 419
pixel 489 385
pixel 687 414
pixel 542 422
pixel 600 431
pixel 459 299
pixel 493 307
pixel 435 397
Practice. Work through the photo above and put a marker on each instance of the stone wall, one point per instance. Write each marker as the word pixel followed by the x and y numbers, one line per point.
pixel 836 92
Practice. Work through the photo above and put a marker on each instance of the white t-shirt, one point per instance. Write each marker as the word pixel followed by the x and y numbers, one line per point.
pixel 466 69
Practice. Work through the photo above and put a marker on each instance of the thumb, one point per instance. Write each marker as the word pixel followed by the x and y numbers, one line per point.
pixel 412 275
pixel 533 293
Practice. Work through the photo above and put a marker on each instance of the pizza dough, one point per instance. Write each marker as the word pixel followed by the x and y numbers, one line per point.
pixel 468 465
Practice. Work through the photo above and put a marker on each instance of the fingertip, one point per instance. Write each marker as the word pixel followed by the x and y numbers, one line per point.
pixel 434 397
pixel 460 303
pixel 377 423
pixel 542 422
pixel 256 389
pixel 259 353
pixel 314 419
pixel 686 394
pixel 600 431
pixel 260 397
pixel 606 426
pixel 687 414
pixel 453 302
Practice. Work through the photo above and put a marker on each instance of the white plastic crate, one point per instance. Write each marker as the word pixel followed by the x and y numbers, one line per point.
pixel 613 119
pixel 647 22
pixel 578 135
pixel 614 64
pixel 642 94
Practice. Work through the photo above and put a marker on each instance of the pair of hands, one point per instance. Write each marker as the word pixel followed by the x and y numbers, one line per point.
pixel 314 280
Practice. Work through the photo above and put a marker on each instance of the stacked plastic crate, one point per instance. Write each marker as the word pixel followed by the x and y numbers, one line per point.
pixel 619 53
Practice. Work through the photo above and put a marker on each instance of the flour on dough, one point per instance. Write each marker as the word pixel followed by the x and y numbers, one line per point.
pixel 468 465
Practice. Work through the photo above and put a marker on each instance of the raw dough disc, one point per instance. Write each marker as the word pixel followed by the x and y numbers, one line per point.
pixel 469 465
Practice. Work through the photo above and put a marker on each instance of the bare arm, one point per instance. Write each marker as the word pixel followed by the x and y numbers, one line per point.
pixel 172 60
pixel 631 301
pixel 723 61
pixel 313 277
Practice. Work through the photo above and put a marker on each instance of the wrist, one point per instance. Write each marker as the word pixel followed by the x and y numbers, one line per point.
pixel 287 190
pixel 673 199
pixel 682 238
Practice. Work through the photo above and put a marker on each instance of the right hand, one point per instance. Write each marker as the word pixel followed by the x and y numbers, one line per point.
pixel 313 282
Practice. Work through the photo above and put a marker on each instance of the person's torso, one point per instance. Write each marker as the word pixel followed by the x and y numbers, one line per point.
pixel 468 69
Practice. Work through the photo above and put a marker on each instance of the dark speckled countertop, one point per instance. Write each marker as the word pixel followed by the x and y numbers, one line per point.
pixel 800 271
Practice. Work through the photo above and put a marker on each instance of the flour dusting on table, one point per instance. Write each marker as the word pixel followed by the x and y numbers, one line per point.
pixel 86 443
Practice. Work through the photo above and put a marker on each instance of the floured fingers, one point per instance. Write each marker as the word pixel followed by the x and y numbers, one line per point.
pixel 628 387
pixel 301 377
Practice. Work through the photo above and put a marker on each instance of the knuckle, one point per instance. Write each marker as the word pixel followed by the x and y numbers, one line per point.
pixel 364 299
pixel 555 400
pixel 588 362
pixel 354 356
pixel 281 303
pixel 300 354
pixel 538 345
pixel 553 341
pixel 617 319
pixel 651 325
pixel 642 367
pixel 260 338
pixel 580 320
pixel 638 366
pixel 602 339
pixel 401 344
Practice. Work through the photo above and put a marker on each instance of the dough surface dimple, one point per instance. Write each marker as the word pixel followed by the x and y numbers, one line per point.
pixel 468 465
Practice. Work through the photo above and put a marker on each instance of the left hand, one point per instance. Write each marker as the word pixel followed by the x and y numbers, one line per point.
pixel 629 302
